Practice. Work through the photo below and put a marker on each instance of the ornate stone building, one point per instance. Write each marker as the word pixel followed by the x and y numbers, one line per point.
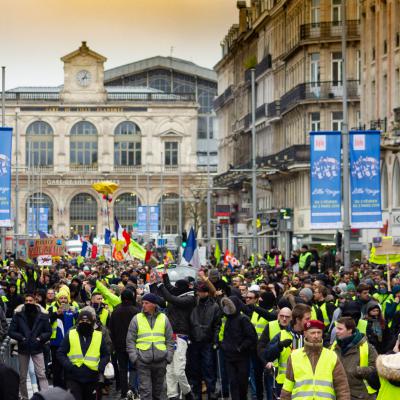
pixel 380 100
pixel 142 125
pixel 295 48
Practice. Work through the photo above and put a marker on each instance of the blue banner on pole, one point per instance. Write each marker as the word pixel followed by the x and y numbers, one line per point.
pixel 38 220
pixel 5 177
pixel 326 187
pixel 148 219
pixel 365 179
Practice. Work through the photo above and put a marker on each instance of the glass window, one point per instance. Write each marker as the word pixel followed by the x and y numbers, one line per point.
pixel 160 79
pixel 315 69
pixel 171 153
pixel 202 127
pixel 183 83
pixel 125 207
pixel 315 121
pixel 337 69
pixel 83 215
pixel 336 11
pixel 169 210
pixel 315 11
pixel 207 91
pixel 384 187
pixel 83 146
pixel 39 144
pixel 127 144
pixel 39 214
pixel 337 119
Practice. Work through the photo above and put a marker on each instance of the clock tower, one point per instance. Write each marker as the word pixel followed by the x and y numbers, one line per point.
pixel 83 77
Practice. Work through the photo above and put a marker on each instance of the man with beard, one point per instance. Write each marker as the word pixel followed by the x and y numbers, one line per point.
pixel 83 354
pixel 30 327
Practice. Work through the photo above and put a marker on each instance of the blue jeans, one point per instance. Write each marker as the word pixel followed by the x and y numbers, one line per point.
pixel 256 378
pixel 201 366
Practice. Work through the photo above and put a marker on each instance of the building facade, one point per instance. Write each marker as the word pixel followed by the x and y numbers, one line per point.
pixel 380 100
pixel 295 48
pixel 108 125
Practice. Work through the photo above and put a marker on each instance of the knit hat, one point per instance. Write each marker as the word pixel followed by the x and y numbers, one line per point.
pixel 307 293
pixel 151 298
pixel 350 287
pixel 87 313
pixel 267 300
pixel 314 324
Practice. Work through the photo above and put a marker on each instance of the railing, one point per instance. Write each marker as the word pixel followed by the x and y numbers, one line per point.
pixel 299 153
pixel 84 168
pixel 127 169
pixel 224 97
pixel 329 90
pixel 329 30
pixel 264 65
pixel 274 109
pixel 112 96
pixel 261 112
pixel 380 124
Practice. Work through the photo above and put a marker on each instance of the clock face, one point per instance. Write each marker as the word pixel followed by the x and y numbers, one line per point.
pixel 84 77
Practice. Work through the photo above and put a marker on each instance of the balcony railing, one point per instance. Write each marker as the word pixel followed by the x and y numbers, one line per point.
pixel 261 112
pixel 83 168
pixel 299 153
pixel 32 96
pixel 274 109
pixel 224 97
pixel 263 65
pixel 127 169
pixel 329 30
pixel 317 91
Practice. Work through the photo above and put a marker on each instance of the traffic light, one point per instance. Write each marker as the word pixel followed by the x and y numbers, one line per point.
pixel 285 213
pixel 338 238
pixel 184 239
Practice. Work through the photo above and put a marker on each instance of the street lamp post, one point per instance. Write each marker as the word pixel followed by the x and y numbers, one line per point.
pixel 208 190
pixel 254 162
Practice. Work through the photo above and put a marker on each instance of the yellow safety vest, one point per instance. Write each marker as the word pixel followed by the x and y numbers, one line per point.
pixel 271 260
pixel 387 390
pixel 147 336
pixel 104 316
pixel 364 354
pixel 274 329
pixel 259 323
pixel 283 358
pixel 92 357
pixel 303 258
pixel 222 329
pixel 362 326
pixel 311 385
pixel 324 312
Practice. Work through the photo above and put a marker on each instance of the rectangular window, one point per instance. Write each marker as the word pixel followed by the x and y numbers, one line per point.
pixel 359 66
pixel 315 11
pixel 336 11
pixel 202 127
pixel 315 71
pixel 337 69
pixel 337 119
pixel 171 153
pixel 315 123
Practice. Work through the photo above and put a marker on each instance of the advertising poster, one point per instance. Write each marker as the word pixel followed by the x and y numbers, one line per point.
pixel 325 180
pixel 5 177
pixel 365 179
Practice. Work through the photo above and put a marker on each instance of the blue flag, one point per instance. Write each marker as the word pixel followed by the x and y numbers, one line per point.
pixel 42 235
pixel 107 236
pixel 5 177
pixel 191 254
pixel 84 249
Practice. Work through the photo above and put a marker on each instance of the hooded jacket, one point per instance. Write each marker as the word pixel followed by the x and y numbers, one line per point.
pixel 388 367
pixel 240 337
pixel 30 340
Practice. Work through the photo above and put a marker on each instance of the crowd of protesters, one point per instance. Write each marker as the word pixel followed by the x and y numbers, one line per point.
pixel 265 329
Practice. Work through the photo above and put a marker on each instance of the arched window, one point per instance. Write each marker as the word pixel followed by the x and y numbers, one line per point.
pixel 39 214
pixel 384 187
pixel 39 144
pixel 83 146
pixel 125 207
pixel 83 215
pixel 169 213
pixel 396 185
pixel 127 144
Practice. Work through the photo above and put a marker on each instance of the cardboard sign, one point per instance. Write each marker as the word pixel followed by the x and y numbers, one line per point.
pixel 44 260
pixel 50 246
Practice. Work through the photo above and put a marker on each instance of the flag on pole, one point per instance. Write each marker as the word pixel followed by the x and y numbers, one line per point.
pixel 94 251
pixel 118 229
pixel 217 253
pixel 107 236
pixel 136 250
pixel 170 257
pixel 127 238
pixel 42 235
pixel 191 252
pixel 84 249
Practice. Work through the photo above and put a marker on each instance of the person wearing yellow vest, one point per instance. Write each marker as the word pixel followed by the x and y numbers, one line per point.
pixel 305 258
pixel 102 313
pixel 314 372
pixel 321 309
pixel 389 375
pixel 150 347
pixel 357 356
pixel 273 329
pixel 83 354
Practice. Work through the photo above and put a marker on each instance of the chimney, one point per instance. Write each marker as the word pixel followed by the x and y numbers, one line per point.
pixel 242 6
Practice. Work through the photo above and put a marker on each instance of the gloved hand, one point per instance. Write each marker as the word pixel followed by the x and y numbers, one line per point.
pixel 285 343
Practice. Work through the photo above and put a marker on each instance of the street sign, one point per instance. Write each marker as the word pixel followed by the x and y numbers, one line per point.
pixel 273 223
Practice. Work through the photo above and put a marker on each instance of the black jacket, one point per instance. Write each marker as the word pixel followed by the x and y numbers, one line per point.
pixel 30 341
pixel 81 374
pixel 9 383
pixel 205 321
pixel 120 319
pixel 14 301
pixel 179 309
pixel 240 336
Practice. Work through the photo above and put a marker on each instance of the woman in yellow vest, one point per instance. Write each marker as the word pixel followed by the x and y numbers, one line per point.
pixel 83 355
pixel 357 356
pixel 389 376
pixel 314 372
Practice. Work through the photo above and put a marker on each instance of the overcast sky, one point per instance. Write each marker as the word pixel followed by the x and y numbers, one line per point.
pixel 34 34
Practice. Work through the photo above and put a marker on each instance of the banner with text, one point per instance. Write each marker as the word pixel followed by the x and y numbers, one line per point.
pixel 325 180
pixel 38 220
pixel 147 219
pixel 365 179
pixel 5 177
